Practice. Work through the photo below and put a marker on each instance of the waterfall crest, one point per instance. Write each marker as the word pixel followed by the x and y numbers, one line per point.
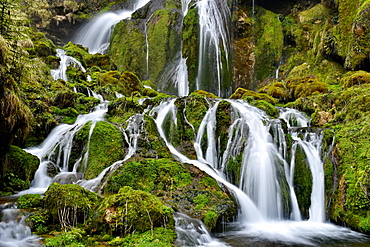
pixel 96 34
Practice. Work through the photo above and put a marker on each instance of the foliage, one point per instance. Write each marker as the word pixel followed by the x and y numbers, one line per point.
pixel 29 201
pixel 19 168
pixel 159 237
pixel 72 238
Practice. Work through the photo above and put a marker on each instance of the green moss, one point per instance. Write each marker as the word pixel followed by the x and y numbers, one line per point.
pixel 180 186
pixel 132 211
pixel 105 138
pixel 130 84
pixel 69 204
pixel 277 90
pixel 355 78
pixel 150 175
pixel 269 43
pixel 159 237
pixel 302 182
pixel 163 41
pixel 128 48
pixel 190 40
pixel 249 95
pixel 19 168
pixel 29 201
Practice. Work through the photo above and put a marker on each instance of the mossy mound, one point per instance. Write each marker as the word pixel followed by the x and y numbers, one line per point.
pixel 105 138
pixel 306 86
pixel 183 187
pixel 69 204
pixel 19 168
pixel 355 78
pixel 131 211
pixel 277 90
pixel 245 94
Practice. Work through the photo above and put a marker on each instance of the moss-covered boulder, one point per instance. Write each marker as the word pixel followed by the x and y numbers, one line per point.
pixel 128 49
pixel 106 138
pixel 355 78
pixel 131 211
pixel 19 168
pixel 269 43
pixel 183 187
pixel 69 204
pixel 348 195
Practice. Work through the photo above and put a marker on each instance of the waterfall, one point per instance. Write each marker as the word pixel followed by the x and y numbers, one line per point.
pixel 132 132
pixel 192 232
pixel 262 216
pixel 13 229
pixel 96 34
pixel 65 61
pixel 214 18
pixel 55 150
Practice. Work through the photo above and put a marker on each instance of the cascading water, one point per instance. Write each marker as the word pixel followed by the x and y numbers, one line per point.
pixel 96 34
pixel 192 232
pixel 265 175
pixel 65 61
pixel 214 18
pixel 55 150
pixel 131 133
pixel 13 229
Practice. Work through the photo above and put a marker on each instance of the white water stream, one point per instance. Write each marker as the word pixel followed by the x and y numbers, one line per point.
pixel 264 170
pixel 214 19
pixel 65 62
pixel 13 229
pixel 96 34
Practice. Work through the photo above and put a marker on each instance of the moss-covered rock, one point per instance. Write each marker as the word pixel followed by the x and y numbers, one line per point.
pixel 355 78
pixel 19 168
pixel 69 204
pixel 183 187
pixel 269 43
pixel 128 49
pixel 131 211
pixel 105 138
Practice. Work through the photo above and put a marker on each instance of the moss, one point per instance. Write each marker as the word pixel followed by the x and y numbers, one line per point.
pixel 19 168
pixel 69 204
pixel 190 42
pixel 359 51
pixel 249 95
pixel 159 237
pixel 130 83
pixel 128 49
pixel 29 201
pixel 163 41
pixel 181 186
pixel 277 90
pixel 306 86
pixel 355 78
pixel 269 43
pixel 132 211
pixel 105 138
pixel 267 107
pixel 302 182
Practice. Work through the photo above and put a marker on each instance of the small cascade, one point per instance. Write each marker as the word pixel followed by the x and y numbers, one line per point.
pixel 65 62
pixel 265 174
pixel 55 150
pixel 192 232
pixel 96 34
pixel 214 18
pixel 132 132
pixel 13 229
